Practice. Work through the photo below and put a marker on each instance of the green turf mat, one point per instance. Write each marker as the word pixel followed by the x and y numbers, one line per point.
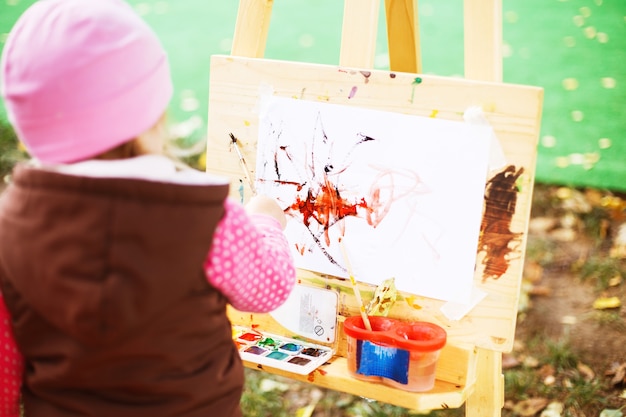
pixel 574 49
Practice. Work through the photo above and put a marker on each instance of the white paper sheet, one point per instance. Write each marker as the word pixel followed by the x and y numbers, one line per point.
pixel 404 193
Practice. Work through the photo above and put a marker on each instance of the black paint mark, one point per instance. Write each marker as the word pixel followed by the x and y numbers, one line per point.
pixel 364 138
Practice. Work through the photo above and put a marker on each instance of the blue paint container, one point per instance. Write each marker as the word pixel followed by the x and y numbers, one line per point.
pixel 400 354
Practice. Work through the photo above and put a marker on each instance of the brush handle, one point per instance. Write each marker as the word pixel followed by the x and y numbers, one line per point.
pixel 242 161
pixel 355 288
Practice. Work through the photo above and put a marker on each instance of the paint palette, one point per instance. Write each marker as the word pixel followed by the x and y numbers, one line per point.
pixel 280 352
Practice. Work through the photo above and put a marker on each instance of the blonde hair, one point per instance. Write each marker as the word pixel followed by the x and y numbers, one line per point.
pixel 151 141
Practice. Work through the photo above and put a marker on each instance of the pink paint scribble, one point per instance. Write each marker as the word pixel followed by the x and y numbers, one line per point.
pixel 320 201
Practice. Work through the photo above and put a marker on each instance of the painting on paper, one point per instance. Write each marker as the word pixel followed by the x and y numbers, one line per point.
pixel 402 193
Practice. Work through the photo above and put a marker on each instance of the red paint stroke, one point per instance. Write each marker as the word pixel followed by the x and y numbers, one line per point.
pixel 497 241
pixel 367 75
pixel 327 207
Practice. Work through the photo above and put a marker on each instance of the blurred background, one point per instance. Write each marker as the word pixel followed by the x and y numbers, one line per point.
pixel 574 49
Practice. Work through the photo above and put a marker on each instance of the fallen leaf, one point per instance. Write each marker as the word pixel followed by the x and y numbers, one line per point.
pixel 586 371
pixel 554 409
pixel 268 385
pixel 604 303
pixel 541 225
pixel 509 405
pixel 306 411
pixel 564 193
pixel 530 407
pixel 564 235
pixel 540 290
pixel 569 221
pixel 518 345
pixel 611 413
pixel 615 281
pixel 531 362
pixel 594 197
pixel 567 383
pixel 546 370
pixel 533 271
pixel 618 372
pixel 616 206
pixel 574 200
pixel 509 361
pixel 618 250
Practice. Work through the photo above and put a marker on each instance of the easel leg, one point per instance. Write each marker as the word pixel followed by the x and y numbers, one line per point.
pixel 487 399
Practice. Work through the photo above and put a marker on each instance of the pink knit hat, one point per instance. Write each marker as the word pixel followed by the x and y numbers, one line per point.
pixel 80 77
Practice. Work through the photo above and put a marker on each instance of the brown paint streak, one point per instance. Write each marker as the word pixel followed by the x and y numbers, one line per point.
pixel 496 237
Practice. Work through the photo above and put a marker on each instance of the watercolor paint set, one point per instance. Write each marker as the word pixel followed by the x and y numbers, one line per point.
pixel 280 352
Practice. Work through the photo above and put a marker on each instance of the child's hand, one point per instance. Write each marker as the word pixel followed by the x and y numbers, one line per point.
pixel 266 205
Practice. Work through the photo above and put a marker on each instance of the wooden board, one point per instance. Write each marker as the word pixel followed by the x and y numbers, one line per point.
pixel 237 84
pixel 334 376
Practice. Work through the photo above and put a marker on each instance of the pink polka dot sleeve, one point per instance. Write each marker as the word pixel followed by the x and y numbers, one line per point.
pixel 11 367
pixel 250 261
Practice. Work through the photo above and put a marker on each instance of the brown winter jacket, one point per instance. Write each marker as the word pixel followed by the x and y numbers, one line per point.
pixel 109 303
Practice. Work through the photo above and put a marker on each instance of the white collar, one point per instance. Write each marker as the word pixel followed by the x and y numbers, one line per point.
pixel 147 167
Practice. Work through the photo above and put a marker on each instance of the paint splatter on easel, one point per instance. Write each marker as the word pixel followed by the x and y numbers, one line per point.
pixel 417 81
pixel 496 237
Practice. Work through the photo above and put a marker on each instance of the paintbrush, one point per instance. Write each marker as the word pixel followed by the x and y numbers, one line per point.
pixel 355 288
pixel 242 162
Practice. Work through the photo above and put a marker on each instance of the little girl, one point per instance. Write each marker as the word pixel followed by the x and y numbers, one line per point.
pixel 116 264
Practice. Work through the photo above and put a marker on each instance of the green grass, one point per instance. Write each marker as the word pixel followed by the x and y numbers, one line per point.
pixel 560 356
pixel 600 270
pixel 565 384
pixel 9 150
pixel 542 251
pixel 270 395
pixel 518 383
pixel 261 399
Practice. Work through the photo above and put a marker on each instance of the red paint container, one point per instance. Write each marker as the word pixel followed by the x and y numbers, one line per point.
pixel 400 354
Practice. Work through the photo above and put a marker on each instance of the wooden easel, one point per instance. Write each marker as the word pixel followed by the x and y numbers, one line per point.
pixel 469 371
